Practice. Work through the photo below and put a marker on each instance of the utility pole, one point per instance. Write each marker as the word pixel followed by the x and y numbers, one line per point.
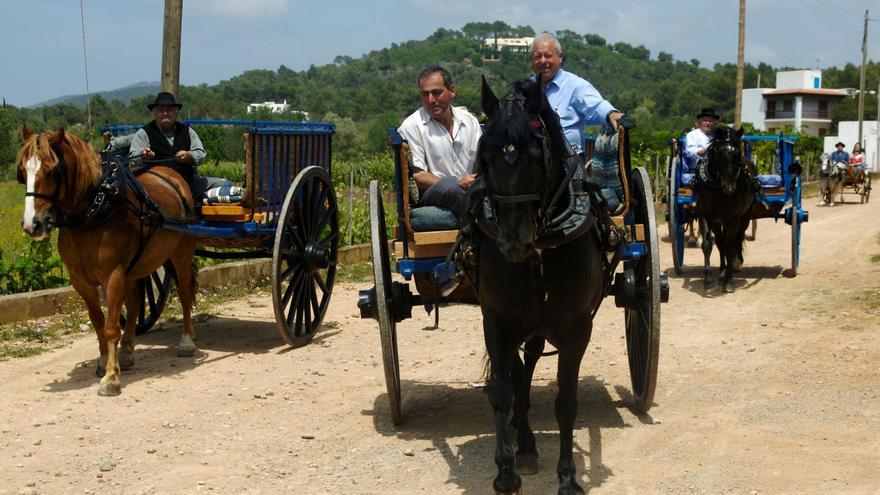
pixel 740 64
pixel 171 47
pixel 876 131
pixel 862 78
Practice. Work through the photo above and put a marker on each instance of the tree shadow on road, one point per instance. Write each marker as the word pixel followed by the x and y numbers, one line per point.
pixel 439 412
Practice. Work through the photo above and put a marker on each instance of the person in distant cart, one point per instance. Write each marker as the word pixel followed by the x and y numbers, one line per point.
pixel 442 143
pixel 857 160
pixel 698 140
pixel 840 155
pixel 175 144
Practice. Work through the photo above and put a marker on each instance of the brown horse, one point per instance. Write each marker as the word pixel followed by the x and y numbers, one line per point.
pixel 61 174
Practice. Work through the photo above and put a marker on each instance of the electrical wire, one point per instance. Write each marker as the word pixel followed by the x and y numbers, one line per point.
pixel 82 18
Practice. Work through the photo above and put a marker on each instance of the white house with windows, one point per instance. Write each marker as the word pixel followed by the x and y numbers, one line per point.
pixel 495 45
pixel 798 100
pixel 276 108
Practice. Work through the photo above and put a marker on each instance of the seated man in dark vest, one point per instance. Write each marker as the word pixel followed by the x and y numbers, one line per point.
pixel 175 144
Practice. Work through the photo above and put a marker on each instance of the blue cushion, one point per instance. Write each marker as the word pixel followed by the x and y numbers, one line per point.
pixel 426 218
pixel 770 181
pixel 687 179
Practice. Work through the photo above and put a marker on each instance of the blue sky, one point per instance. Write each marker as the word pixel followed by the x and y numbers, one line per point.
pixel 42 43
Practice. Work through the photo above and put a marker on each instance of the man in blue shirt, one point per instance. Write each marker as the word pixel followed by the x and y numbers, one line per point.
pixel 840 155
pixel 575 100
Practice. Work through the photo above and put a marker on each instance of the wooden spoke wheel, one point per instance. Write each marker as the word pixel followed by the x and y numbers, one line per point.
pixel 675 219
pixel 304 256
pixel 795 221
pixel 155 289
pixel 384 298
pixel 643 320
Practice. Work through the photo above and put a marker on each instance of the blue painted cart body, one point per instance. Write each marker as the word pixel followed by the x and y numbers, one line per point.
pixel 779 199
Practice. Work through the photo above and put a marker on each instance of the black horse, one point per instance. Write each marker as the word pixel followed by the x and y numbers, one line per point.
pixel 725 192
pixel 530 292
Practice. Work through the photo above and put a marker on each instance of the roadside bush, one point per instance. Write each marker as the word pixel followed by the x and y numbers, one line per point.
pixel 40 267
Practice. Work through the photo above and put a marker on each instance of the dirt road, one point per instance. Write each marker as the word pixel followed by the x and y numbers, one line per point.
pixel 772 389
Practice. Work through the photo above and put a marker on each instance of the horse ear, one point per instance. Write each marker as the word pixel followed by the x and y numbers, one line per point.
pixel 58 137
pixel 489 100
pixel 25 131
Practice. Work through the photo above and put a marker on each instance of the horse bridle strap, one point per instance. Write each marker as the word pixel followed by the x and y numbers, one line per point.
pixel 521 198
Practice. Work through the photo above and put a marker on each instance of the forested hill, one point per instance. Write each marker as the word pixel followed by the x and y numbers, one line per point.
pixel 367 94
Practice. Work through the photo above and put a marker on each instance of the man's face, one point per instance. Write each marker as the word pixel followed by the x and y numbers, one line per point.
pixel 435 96
pixel 707 125
pixel 545 60
pixel 165 115
pixel 839 148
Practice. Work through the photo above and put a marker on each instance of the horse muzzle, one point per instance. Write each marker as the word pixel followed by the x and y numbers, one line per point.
pixel 728 189
pixel 39 226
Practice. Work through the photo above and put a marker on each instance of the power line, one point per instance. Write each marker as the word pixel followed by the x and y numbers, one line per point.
pixel 82 18
pixel 829 15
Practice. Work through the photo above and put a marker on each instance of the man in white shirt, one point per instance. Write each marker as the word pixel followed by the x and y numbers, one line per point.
pixel 699 139
pixel 442 143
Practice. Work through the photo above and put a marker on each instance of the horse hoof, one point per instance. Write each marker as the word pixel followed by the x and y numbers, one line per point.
pixel 126 361
pixel 691 243
pixel 109 390
pixel 728 287
pixel 186 351
pixel 737 265
pixel 526 464
pixel 100 371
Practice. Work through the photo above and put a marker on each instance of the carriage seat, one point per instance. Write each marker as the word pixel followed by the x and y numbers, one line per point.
pixel 770 181
pixel 427 218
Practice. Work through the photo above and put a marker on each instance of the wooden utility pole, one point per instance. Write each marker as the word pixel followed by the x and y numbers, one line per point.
pixel 171 46
pixel 862 79
pixel 740 64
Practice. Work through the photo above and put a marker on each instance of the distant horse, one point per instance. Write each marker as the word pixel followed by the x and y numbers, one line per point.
pixel 726 193
pixel 63 179
pixel 830 175
pixel 530 292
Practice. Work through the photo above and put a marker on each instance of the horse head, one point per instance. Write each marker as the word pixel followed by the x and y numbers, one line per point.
pixel 519 160
pixel 50 167
pixel 726 163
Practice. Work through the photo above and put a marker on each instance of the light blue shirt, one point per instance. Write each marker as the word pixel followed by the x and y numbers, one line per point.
pixel 578 104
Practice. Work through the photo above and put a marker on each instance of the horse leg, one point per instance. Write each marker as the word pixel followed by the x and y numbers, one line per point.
pixel 570 356
pixel 184 268
pixel 115 291
pixel 740 242
pixel 92 300
pixel 134 300
pixel 707 252
pixel 500 391
pixel 526 452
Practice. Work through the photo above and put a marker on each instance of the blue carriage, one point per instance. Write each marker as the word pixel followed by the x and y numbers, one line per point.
pixel 423 245
pixel 287 211
pixel 780 197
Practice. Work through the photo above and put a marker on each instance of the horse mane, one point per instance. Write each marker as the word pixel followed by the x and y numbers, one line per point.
pixel 517 128
pixel 88 164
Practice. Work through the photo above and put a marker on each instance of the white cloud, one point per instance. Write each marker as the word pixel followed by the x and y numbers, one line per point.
pixel 237 9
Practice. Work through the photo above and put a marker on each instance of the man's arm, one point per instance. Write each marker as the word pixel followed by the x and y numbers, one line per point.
pixel 139 143
pixel 196 148
pixel 592 108
pixel 694 147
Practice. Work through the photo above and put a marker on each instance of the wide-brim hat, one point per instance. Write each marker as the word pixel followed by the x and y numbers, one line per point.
pixel 840 143
pixel 708 112
pixel 164 99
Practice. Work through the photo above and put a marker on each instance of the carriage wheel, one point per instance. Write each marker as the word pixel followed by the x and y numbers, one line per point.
pixel 675 219
pixel 304 256
pixel 643 322
pixel 387 325
pixel 795 218
pixel 866 189
pixel 155 289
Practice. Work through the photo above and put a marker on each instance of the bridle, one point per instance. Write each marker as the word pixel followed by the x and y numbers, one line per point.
pixel 58 174
pixel 726 147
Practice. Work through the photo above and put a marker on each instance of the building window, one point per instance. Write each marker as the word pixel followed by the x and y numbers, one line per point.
pixel 771 109
pixel 787 105
pixel 823 109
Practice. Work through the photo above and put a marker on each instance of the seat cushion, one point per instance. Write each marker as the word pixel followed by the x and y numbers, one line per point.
pixel 770 181
pixel 426 218
pixel 687 179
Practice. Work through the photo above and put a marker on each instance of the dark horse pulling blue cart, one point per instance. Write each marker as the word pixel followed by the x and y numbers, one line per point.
pixel 288 212
pixel 779 196
pixel 533 286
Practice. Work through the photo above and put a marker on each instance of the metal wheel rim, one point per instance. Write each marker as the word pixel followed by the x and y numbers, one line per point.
pixel 382 277
pixel 795 240
pixel 301 291
pixel 643 325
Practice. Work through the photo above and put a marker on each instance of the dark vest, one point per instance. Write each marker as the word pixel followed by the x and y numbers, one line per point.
pixel 159 145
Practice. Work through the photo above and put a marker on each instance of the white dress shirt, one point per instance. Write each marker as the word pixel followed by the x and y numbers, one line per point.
pixel 433 149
